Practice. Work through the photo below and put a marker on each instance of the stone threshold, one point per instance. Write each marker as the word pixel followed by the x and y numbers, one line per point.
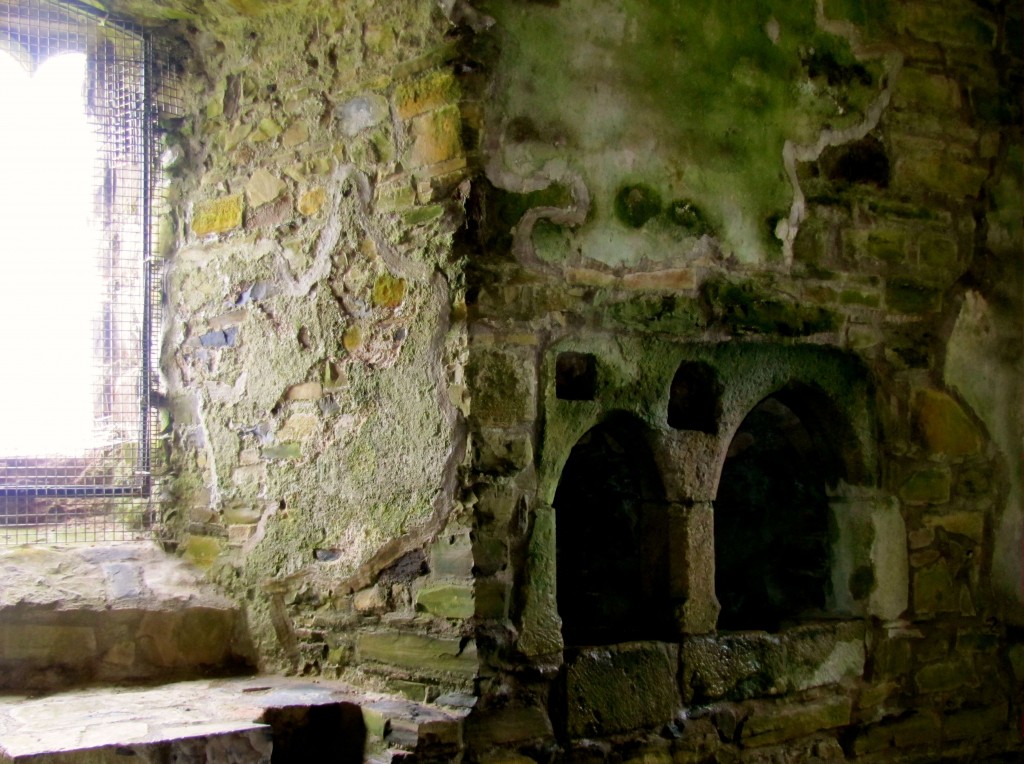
pixel 240 720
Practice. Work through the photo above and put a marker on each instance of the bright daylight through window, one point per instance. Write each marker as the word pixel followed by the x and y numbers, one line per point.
pixel 49 288
pixel 78 129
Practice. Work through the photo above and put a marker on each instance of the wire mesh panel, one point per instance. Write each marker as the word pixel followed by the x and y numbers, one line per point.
pixel 82 101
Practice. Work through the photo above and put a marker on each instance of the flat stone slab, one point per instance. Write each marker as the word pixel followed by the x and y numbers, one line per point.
pixel 116 614
pixel 130 574
pixel 205 720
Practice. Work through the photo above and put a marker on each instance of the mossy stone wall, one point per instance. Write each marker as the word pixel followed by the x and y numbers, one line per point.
pixel 313 348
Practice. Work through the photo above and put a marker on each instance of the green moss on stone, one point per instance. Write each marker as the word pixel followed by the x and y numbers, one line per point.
pixel 688 215
pixel 667 314
pixel 635 205
pixel 388 291
pixel 744 308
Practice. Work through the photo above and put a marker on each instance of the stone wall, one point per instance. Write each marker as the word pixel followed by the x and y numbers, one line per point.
pixel 807 201
pixel 315 336
pixel 422 250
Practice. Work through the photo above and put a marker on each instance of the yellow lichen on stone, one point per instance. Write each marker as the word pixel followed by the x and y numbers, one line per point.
pixel 218 215
pixel 312 202
pixel 388 291
pixel 434 89
pixel 352 338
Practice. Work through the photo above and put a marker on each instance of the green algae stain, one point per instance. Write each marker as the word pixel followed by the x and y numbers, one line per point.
pixel 692 99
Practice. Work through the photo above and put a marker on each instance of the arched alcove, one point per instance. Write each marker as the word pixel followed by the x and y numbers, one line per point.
pixel 694 401
pixel 772 546
pixel 611 539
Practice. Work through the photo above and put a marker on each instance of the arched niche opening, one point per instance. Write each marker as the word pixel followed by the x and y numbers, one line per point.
pixel 772 513
pixel 611 530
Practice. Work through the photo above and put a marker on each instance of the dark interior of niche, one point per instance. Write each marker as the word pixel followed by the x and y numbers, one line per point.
pixel 611 540
pixel 575 376
pixel 771 522
pixel 694 401
pixel 861 162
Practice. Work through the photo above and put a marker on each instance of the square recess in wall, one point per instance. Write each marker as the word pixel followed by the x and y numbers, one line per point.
pixel 575 377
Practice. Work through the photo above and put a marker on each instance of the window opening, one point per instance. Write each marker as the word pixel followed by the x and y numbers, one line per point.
pixel 78 278
pixel 611 540
pixel 772 557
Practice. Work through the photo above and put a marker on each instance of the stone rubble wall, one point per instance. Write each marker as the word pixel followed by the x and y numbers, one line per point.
pixel 315 337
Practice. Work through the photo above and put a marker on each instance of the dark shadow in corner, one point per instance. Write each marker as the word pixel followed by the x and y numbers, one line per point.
pixel 333 732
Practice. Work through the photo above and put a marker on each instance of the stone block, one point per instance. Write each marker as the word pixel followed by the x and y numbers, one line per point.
pixel 447 601
pixel 201 551
pixel 492 598
pixel 540 630
pixel 818 655
pixel 927 485
pixel 296 134
pixel 732 666
pixel 452 555
pixel 620 688
pixel 53 643
pixel 934 590
pixel 372 600
pixel 925 91
pixel 946 676
pixel 360 113
pixel 271 215
pixel 436 137
pixel 776 723
pixel 890 594
pixel 960 24
pixel 503 388
pixel 969 524
pixel 679 279
pixel 419 653
pixel 305 391
pixel 751 664
pixel 905 296
pixel 920 728
pixel 979 723
pixel 263 187
pixel 507 727
pixel 218 215
pixel 943 426
pixel 430 91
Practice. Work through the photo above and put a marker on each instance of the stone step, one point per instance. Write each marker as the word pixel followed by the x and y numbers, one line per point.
pixel 227 721
pixel 121 613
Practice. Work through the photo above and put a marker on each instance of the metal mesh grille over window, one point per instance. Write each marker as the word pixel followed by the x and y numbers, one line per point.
pixel 84 100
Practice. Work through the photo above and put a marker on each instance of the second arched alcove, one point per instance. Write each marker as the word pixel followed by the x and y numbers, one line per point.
pixel 772 558
pixel 611 538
